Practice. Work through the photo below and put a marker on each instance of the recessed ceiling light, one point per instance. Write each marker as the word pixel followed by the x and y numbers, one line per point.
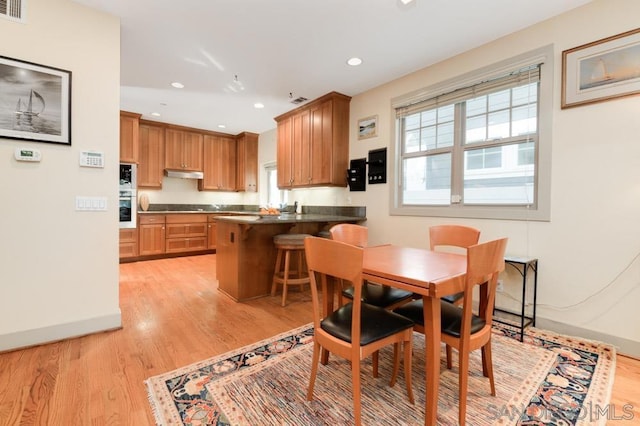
pixel 177 85
pixel 258 105
pixel 406 1
pixel 155 114
pixel 221 126
pixel 354 62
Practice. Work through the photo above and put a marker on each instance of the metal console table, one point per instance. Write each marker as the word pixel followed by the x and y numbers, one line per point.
pixel 522 265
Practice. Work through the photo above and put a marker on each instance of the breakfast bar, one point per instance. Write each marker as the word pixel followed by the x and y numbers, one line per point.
pixel 245 254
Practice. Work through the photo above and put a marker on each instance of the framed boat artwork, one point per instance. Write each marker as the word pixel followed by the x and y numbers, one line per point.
pixel 35 102
pixel 601 70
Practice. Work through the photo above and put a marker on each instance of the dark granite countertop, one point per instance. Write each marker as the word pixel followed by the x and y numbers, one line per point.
pixel 257 219
pixel 251 213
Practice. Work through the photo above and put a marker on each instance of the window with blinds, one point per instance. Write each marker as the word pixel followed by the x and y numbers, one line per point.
pixel 475 147
pixel 12 9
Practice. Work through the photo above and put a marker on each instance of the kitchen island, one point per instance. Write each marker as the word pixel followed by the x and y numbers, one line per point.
pixel 246 256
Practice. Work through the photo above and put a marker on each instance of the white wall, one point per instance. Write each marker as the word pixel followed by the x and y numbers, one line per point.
pixel 59 267
pixel 185 191
pixel 589 275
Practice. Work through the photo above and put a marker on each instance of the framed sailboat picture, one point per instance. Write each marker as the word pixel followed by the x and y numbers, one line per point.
pixel 35 102
pixel 601 70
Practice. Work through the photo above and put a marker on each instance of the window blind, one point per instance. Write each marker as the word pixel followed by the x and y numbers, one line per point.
pixel 530 74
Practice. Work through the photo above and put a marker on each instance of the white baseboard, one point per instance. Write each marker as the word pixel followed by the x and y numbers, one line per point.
pixel 54 333
pixel 623 346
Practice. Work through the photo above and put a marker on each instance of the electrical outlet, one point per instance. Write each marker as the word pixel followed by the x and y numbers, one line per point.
pixel 500 286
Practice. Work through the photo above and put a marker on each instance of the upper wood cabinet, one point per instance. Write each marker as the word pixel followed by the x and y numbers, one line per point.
pixel 247 162
pixel 129 123
pixel 313 143
pixel 183 150
pixel 219 154
pixel 151 157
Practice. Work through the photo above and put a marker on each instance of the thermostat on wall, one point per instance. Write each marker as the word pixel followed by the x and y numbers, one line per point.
pixel 27 154
pixel 91 159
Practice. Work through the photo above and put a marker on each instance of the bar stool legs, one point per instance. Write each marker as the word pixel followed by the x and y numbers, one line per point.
pixel 284 274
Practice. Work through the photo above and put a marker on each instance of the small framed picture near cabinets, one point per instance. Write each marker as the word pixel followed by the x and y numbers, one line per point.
pixel 35 102
pixel 368 127
pixel 601 70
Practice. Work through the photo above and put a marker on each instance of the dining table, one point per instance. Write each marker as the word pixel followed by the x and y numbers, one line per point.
pixel 432 275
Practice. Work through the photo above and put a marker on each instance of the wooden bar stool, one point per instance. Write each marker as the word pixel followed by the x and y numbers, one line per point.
pixel 284 274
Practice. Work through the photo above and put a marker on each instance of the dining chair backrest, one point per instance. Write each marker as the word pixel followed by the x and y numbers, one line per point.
pixel 453 236
pixel 485 261
pixel 328 259
pixel 350 233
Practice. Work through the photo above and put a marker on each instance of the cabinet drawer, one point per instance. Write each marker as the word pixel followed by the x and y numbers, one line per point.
pixel 129 235
pixel 128 249
pixel 186 218
pixel 177 230
pixel 179 245
pixel 147 219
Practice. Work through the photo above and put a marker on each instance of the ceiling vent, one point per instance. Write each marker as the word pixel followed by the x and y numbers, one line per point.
pixel 299 100
pixel 13 9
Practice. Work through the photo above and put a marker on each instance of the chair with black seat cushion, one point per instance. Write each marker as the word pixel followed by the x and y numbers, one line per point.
pixel 373 294
pixel 453 236
pixel 357 329
pixel 460 327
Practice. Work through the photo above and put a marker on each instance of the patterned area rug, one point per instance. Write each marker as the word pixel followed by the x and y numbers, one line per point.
pixel 548 379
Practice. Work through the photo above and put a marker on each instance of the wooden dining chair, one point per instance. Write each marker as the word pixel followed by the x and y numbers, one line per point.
pixel 461 328
pixel 453 236
pixel 355 330
pixel 373 294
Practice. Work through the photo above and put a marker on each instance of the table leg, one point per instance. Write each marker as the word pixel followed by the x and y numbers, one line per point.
pixel 431 306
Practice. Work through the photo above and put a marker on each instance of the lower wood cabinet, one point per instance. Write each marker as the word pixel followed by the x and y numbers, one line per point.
pixel 151 230
pixel 128 243
pixel 170 234
pixel 186 232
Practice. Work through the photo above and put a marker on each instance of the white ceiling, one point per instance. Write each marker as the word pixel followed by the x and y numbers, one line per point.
pixel 278 47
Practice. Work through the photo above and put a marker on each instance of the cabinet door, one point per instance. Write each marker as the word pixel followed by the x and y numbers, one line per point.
pixel 301 149
pixel 321 144
pixel 151 156
pixel 192 151
pixel 219 155
pixel 173 149
pixel 152 239
pixel 212 234
pixel 129 137
pixel 285 153
pixel 247 163
pixel 183 150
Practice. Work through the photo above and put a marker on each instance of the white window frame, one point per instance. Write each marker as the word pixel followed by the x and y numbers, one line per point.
pixel 541 211
pixel 268 168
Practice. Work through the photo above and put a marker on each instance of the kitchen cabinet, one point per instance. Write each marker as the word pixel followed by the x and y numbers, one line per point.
pixel 313 143
pixel 284 150
pixel 293 151
pixel 247 162
pixel 151 234
pixel 128 243
pixel 151 155
pixel 219 155
pixel 212 231
pixel 186 232
pixel 183 150
pixel 129 123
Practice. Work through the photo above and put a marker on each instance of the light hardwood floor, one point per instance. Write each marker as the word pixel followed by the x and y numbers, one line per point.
pixel 172 316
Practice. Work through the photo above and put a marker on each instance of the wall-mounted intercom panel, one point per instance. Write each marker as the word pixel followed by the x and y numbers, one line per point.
pixel 356 174
pixel 378 166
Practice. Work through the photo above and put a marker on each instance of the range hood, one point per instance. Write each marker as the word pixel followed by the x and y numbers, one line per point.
pixel 183 174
